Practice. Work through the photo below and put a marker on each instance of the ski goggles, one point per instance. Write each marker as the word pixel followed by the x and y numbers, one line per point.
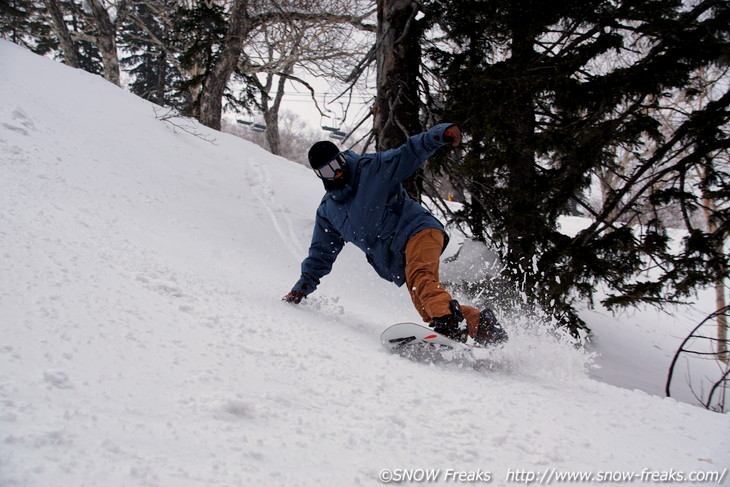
pixel 329 170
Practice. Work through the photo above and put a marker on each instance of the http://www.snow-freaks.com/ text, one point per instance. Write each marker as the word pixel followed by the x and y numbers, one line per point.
pixel 550 476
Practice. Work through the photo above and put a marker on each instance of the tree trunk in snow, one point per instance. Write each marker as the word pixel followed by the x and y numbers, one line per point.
pixel 722 344
pixel 211 98
pixel 70 56
pixel 106 41
pixel 398 54
pixel 722 349
pixel 271 115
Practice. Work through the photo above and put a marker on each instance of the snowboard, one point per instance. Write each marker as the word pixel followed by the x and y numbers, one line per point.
pixel 421 342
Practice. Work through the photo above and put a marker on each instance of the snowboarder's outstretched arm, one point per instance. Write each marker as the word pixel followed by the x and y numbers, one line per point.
pixel 323 251
pixel 399 164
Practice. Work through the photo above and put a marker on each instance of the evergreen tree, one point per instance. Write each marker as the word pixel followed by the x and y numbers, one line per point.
pixel 201 29
pixel 23 22
pixel 551 93
pixel 150 43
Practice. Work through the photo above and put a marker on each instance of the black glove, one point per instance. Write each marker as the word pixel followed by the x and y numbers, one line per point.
pixel 294 297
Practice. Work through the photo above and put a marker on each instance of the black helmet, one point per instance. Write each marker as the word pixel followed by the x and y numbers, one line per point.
pixel 321 153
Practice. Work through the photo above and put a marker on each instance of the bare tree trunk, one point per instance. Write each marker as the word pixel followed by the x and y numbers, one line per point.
pixel 106 41
pixel 398 54
pixel 720 302
pixel 271 115
pixel 211 98
pixel 70 56
pixel 722 348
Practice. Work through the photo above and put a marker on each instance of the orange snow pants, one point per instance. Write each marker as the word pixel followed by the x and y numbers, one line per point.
pixel 423 254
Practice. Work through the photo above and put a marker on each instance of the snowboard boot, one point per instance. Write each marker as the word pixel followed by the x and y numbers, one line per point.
pixel 451 325
pixel 490 332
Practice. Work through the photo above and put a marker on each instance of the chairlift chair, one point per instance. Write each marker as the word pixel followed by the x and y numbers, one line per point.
pixel 255 127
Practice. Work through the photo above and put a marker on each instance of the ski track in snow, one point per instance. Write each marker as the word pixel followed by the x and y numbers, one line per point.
pixel 261 188
pixel 144 343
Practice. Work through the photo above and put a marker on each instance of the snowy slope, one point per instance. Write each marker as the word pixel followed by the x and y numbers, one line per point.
pixel 143 340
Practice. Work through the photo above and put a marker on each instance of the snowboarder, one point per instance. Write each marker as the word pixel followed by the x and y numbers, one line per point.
pixel 366 204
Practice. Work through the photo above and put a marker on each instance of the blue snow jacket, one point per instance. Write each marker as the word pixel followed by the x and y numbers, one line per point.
pixel 373 212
